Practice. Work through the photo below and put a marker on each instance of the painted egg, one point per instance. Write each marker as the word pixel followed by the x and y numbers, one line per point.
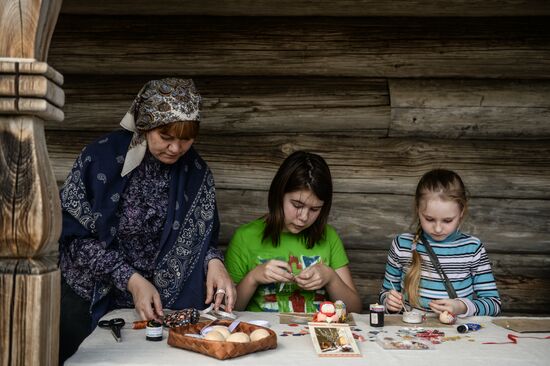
pixel 447 318
pixel 258 334
pixel 238 337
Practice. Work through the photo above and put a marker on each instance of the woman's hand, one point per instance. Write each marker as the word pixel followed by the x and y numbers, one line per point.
pixel 146 297
pixel 219 286
pixel 315 277
pixel 272 271
pixel 454 306
pixel 394 301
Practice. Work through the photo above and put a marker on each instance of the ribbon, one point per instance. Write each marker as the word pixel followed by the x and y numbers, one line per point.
pixel 514 339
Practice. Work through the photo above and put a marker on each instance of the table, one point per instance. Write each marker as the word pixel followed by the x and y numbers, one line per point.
pixel 101 349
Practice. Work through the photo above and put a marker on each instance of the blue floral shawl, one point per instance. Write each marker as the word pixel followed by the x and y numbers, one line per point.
pixel 90 197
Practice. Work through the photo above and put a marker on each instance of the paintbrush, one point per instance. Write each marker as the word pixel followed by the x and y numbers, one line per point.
pixel 402 303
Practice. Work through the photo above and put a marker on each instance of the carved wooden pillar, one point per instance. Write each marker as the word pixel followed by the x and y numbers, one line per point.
pixel 30 213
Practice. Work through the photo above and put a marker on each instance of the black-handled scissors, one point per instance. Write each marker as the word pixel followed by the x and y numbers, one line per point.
pixel 115 325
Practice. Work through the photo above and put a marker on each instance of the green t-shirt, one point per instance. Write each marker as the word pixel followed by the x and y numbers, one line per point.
pixel 246 251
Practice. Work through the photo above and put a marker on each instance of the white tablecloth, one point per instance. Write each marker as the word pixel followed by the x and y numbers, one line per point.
pixel 100 348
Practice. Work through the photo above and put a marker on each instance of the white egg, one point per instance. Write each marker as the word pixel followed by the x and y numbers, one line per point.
pixel 258 334
pixel 222 329
pixel 214 335
pixel 238 337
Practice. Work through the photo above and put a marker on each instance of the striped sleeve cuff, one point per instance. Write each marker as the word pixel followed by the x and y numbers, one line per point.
pixel 471 308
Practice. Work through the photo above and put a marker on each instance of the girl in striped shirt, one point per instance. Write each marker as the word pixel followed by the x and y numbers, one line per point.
pixel 411 279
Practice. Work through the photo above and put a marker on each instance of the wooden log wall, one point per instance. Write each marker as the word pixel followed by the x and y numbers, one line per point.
pixel 383 90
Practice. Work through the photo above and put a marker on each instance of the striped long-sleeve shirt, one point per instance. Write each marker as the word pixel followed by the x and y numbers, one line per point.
pixel 464 261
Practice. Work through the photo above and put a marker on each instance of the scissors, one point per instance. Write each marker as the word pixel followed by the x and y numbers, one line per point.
pixel 115 325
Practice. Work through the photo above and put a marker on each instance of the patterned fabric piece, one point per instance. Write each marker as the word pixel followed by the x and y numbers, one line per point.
pixel 158 103
pixel 97 215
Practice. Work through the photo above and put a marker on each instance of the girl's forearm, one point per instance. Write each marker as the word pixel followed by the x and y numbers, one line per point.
pixel 337 289
pixel 245 291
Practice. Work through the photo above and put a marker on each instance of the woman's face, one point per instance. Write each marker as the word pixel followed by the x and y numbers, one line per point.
pixel 167 148
pixel 301 209
pixel 439 218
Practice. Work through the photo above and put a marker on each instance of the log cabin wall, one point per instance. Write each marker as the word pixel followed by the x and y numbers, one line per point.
pixel 383 90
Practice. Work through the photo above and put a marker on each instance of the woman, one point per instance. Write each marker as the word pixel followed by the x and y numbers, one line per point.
pixel 140 223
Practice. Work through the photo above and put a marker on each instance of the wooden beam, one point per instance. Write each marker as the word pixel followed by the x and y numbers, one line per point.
pixel 30 210
pixel 359 164
pixel 30 311
pixel 242 105
pixel 362 47
pixel 422 8
pixel 477 109
pixel 36 86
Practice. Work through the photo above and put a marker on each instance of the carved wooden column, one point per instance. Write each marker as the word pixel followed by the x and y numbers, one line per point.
pixel 30 213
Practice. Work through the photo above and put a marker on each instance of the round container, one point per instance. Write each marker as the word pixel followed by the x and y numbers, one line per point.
pixel 377 315
pixel 153 331
pixel 412 317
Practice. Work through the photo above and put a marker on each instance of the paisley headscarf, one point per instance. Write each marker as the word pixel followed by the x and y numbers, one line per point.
pixel 158 103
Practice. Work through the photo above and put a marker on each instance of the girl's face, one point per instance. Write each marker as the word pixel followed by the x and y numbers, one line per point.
pixel 166 148
pixel 301 209
pixel 439 218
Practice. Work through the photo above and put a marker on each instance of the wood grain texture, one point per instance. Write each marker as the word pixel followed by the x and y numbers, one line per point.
pixel 308 8
pixel 358 164
pixel 30 222
pixel 371 221
pixel 30 312
pixel 242 105
pixel 26 27
pixel 476 109
pixel 13 66
pixel 327 46
pixel 32 86
pixel 31 106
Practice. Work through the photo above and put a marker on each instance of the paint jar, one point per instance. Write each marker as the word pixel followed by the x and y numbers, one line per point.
pixel 412 317
pixel 153 331
pixel 377 315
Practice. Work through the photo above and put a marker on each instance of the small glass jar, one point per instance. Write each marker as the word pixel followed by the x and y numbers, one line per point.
pixel 377 315
pixel 153 331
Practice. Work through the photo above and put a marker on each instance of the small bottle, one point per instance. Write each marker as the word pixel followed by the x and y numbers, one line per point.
pixel 153 331
pixel 468 327
pixel 377 315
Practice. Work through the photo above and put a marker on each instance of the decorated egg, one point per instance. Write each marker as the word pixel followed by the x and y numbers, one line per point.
pixel 214 335
pixel 447 318
pixel 258 334
pixel 238 337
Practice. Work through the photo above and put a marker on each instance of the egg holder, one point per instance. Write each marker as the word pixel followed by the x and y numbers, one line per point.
pixel 189 337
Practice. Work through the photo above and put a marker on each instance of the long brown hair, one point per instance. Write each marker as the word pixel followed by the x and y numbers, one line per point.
pixel 300 170
pixel 448 186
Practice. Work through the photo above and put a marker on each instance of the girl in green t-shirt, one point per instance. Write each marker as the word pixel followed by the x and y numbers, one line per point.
pixel 291 259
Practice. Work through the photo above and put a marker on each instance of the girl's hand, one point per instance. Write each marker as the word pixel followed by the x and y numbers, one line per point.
pixel 315 277
pixel 219 286
pixel 272 271
pixel 394 301
pixel 454 306
pixel 146 297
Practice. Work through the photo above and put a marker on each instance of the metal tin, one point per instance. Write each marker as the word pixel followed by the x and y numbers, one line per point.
pixel 377 315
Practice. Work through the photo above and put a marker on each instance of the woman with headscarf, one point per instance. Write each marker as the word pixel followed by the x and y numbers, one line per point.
pixel 140 222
